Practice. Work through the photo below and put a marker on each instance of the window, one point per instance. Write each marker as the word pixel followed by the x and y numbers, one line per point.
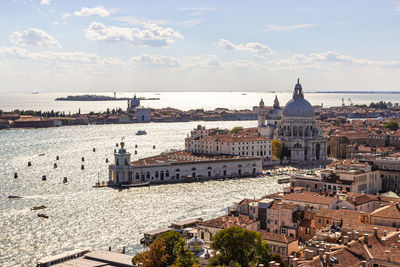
pixel 156 174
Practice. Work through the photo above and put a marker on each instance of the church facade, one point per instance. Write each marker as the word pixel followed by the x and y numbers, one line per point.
pixel 295 126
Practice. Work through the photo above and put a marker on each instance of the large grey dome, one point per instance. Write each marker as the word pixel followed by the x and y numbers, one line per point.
pixel 298 107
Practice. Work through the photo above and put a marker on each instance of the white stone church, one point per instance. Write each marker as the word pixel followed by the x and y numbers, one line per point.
pixel 295 127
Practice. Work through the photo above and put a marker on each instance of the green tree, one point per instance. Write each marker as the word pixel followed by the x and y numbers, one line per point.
pixel 174 249
pixel 236 129
pixel 392 125
pixel 277 149
pixel 155 256
pixel 239 247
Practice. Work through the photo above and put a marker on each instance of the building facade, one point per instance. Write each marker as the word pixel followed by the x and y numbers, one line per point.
pixel 179 166
pixel 296 127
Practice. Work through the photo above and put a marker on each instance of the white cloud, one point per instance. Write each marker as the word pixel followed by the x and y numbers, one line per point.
pixel 255 48
pixel 396 6
pixel 155 61
pixel 333 58
pixel 99 10
pixel 58 57
pixel 288 27
pixel 150 35
pixel 34 37
pixel 66 15
pixel 45 2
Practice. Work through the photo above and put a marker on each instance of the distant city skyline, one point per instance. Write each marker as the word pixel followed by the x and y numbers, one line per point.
pixel 56 46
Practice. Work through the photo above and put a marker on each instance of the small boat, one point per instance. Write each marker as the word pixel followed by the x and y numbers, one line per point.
pixel 42 215
pixel 244 94
pixel 141 132
pixel 39 207
pixel 41 155
pixel 284 180
pixel 14 197
pixel 135 185
pixel 65 180
pixel 35 93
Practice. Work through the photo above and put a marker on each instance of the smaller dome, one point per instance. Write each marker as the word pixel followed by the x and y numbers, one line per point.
pixel 196 244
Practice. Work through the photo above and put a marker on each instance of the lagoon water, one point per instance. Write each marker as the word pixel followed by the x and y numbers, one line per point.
pixel 181 100
pixel 82 216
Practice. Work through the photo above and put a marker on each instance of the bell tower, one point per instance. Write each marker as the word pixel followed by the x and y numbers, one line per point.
pixel 122 157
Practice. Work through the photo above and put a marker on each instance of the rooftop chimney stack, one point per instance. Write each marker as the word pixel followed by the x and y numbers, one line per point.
pixel 366 239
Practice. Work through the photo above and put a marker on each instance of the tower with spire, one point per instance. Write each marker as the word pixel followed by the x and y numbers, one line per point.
pixel 267 121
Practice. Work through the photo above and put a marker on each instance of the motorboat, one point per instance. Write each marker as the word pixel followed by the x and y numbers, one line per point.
pixel 42 215
pixel 14 197
pixel 39 207
pixel 284 180
pixel 141 132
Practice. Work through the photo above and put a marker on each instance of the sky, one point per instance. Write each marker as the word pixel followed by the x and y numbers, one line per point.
pixel 219 45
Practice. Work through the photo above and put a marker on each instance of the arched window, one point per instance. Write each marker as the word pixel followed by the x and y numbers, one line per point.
pixel 193 169
pixel 177 170
pixel 156 174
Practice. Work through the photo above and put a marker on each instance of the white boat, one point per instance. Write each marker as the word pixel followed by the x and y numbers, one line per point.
pixel 284 180
pixel 141 132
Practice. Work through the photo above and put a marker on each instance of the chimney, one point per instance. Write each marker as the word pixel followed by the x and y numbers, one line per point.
pixel 366 239
pixel 328 258
pixel 376 231
pixel 291 257
pixel 345 239
pixel 295 260
pixel 388 255
pixel 321 253
pixel 383 240
pixel 385 232
pixel 364 263
pixel 277 264
pixel 349 234
pixel 309 254
pixel 271 263
pixel 356 235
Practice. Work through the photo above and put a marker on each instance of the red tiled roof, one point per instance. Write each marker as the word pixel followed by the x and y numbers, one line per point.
pixel 227 221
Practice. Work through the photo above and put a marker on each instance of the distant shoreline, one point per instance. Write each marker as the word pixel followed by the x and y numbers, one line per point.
pixel 356 92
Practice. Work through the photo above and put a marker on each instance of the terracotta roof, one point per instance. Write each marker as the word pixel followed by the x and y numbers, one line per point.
pixel 268 236
pixel 282 205
pixel 227 221
pixel 348 217
pixel 357 251
pixel 308 197
pixel 391 211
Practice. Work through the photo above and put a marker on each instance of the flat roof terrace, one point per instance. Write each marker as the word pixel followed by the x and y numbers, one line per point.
pixel 181 157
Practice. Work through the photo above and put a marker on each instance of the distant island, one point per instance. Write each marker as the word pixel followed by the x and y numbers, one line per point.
pixel 100 98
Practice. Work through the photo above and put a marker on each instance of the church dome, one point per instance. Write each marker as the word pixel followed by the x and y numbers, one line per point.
pixel 298 106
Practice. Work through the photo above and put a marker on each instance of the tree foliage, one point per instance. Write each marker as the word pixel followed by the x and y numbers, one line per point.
pixel 154 256
pixel 277 149
pixel 236 129
pixel 170 250
pixel 392 125
pixel 239 247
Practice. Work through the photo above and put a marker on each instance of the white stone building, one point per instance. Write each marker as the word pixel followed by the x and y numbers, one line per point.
pixel 296 127
pixel 222 142
pixel 139 113
pixel 178 167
